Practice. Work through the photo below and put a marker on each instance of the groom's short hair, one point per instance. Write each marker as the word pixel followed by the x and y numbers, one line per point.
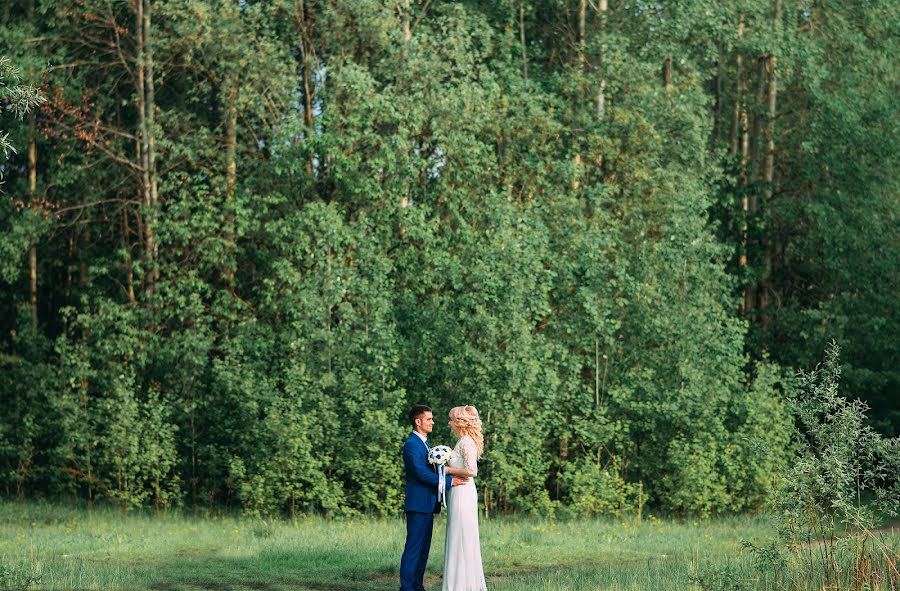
pixel 416 411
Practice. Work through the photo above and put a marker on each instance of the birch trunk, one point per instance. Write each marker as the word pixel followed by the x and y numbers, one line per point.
pixel 601 92
pixel 582 18
pixel 407 28
pixel 301 26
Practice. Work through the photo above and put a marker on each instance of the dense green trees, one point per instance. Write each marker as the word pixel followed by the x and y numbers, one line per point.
pixel 258 231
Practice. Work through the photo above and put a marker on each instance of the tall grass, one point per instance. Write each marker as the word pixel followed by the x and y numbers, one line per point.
pixel 72 548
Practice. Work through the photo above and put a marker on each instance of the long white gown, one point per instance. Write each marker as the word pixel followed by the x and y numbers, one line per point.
pixel 462 550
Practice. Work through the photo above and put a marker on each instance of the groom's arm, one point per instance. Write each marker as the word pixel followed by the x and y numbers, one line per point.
pixel 419 468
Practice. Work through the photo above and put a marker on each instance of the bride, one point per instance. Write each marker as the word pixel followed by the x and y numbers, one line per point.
pixel 462 549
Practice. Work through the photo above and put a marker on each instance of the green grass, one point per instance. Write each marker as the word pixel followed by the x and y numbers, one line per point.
pixel 74 549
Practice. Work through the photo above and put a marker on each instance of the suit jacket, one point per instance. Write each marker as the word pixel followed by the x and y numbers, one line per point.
pixel 421 478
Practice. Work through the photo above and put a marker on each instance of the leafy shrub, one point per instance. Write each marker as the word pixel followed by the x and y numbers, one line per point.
pixel 822 519
pixel 595 489
pixel 843 476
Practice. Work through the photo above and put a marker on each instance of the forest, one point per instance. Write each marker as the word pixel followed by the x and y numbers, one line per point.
pixel 239 238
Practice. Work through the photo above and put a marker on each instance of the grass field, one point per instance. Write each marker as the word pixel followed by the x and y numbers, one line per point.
pixel 74 549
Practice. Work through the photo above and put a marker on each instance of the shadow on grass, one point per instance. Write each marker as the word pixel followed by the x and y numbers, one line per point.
pixel 333 571
pixel 314 570
pixel 296 571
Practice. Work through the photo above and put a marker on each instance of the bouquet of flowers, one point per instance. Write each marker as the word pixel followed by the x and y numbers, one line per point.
pixel 438 456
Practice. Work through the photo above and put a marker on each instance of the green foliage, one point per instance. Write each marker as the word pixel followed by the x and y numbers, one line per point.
pixel 16 97
pixel 840 459
pixel 28 434
pixel 840 487
pixel 834 269
pixel 599 490
pixel 120 438
pixel 352 209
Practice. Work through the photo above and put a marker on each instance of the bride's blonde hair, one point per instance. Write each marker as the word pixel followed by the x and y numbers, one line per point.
pixel 465 421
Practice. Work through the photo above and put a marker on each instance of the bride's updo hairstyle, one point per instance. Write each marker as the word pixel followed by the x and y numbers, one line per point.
pixel 465 421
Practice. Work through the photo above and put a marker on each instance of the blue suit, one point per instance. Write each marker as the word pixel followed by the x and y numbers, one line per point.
pixel 420 505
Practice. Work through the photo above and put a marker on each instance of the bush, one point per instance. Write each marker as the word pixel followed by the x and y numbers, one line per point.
pixel 595 489
pixel 822 519
pixel 842 476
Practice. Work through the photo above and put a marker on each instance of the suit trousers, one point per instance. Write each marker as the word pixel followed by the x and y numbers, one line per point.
pixel 419 527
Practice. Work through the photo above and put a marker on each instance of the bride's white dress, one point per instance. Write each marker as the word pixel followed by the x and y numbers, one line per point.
pixel 462 550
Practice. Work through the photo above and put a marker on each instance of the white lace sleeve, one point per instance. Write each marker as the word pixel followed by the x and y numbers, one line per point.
pixel 469 454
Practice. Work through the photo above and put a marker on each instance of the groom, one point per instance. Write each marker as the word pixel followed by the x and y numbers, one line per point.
pixel 421 499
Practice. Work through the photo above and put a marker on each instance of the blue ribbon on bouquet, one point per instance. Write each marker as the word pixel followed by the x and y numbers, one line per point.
pixel 442 485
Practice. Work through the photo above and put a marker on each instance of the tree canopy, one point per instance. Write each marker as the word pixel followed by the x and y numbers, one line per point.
pixel 245 236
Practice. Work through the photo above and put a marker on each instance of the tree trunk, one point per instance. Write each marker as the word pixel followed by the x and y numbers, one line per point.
pixel 407 28
pixel 193 456
pixel 69 264
pixel 147 227
pixel 756 134
pixel 307 96
pixel 32 268
pixel 769 180
pixel 745 207
pixel 83 277
pixel 740 139
pixel 150 106
pixel 752 160
pixel 770 132
pixel 522 39
pixel 126 242
pixel 717 108
pixel 582 17
pixel 32 251
pixel 738 107
pixel 596 372
pixel 769 171
pixel 601 92
pixel 230 179
pixel 301 27
pixel 576 174
pixel 667 73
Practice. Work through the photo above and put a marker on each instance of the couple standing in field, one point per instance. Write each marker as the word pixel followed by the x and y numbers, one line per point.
pixel 462 549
